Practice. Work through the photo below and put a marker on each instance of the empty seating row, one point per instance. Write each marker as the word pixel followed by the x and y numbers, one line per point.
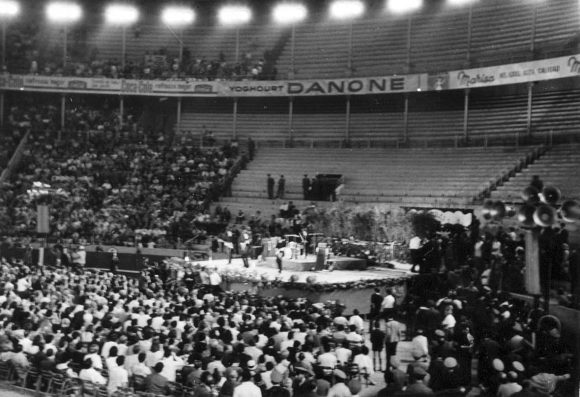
pixel 417 176
pixel 558 167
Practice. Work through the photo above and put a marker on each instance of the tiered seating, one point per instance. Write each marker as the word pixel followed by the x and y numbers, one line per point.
pixel 501 32
pixel 431 36
pixel 441 177
pixel 555 108
pixel 558 167
pixel 496 114
pixel 556 25
pixel 200 41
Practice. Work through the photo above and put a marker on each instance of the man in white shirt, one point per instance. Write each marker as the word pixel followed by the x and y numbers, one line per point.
pixel 247 388
pixel 388 304
pixel 343 353
pixel 328 360
pixel 119 377
pixel 415 245
pixel 140 369
pixel 93 355
pixel 171 364
pixel 91 374
pixel 356 320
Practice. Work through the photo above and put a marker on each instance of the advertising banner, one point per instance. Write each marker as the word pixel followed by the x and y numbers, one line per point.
pixel 185 88
pixel 525 72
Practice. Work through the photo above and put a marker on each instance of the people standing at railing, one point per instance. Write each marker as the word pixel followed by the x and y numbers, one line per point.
pixel 270 182
pixel 306 187
pixel 281 187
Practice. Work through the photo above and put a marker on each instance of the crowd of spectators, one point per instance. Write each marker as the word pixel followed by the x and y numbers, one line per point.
pixel 104 186
pixel 169 330
pixel 25 55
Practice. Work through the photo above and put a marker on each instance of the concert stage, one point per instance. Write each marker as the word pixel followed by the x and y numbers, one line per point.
pixel 303 264
pixel 352 288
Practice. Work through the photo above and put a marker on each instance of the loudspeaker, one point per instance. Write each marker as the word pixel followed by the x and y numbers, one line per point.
pixel 545 215
pixel 526 215
pixel 550 195
pixel 570 211
pixel 531 194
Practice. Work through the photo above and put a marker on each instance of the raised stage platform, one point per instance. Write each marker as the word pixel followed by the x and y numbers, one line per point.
pixel 353 288
pixel 308 263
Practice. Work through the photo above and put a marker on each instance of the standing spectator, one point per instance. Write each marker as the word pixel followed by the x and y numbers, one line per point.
pixel 394 334
pixel 388 304
pixel 306 187
pixel 251 148
pixel 115 262
pixel 281 187
pixel 270 182
pixel 79 257
pixel 537 183
pixel 415 245
pixel 378 344
pixel 376 302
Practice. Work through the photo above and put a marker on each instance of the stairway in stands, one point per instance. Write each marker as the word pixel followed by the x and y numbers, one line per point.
pixel 443 178
pixel 559 166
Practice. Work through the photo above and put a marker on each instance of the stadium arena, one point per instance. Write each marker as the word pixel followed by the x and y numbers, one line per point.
pixel 285 198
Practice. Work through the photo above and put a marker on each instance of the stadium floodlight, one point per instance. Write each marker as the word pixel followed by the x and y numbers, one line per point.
pixel 121 14
pixel 289 13
pixel 402 6
pixel 63 12
pixel 178 16
pixel 347 9
pixel 233 15
pixel 9 9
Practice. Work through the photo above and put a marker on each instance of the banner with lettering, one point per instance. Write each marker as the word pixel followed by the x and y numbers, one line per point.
pixel 353 86
pixel 186 88
pixel 525 72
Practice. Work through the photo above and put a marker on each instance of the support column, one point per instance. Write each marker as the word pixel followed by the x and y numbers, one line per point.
pixel 237 44
pixel 65 45
pixel 529 110
pixel 178 122
pixel 121 112
pixel 181 47
pixel 347 124
pixel 291 118
pixel 406 120
pixel 3 43
pixel 466 116
pixel 292 71
pixel 123 48
pixel 409 30
pixel 469 33
pixel 533 32
pixel 62 111
pixel 235 120
pixel 349 59
pixel 2 108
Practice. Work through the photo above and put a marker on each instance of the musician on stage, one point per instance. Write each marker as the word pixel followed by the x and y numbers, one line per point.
pixel 304 237
pixel 415 251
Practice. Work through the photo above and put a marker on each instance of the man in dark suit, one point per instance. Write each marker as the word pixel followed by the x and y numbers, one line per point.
pixel 157 383
pixel 271 182
pixel 306 187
